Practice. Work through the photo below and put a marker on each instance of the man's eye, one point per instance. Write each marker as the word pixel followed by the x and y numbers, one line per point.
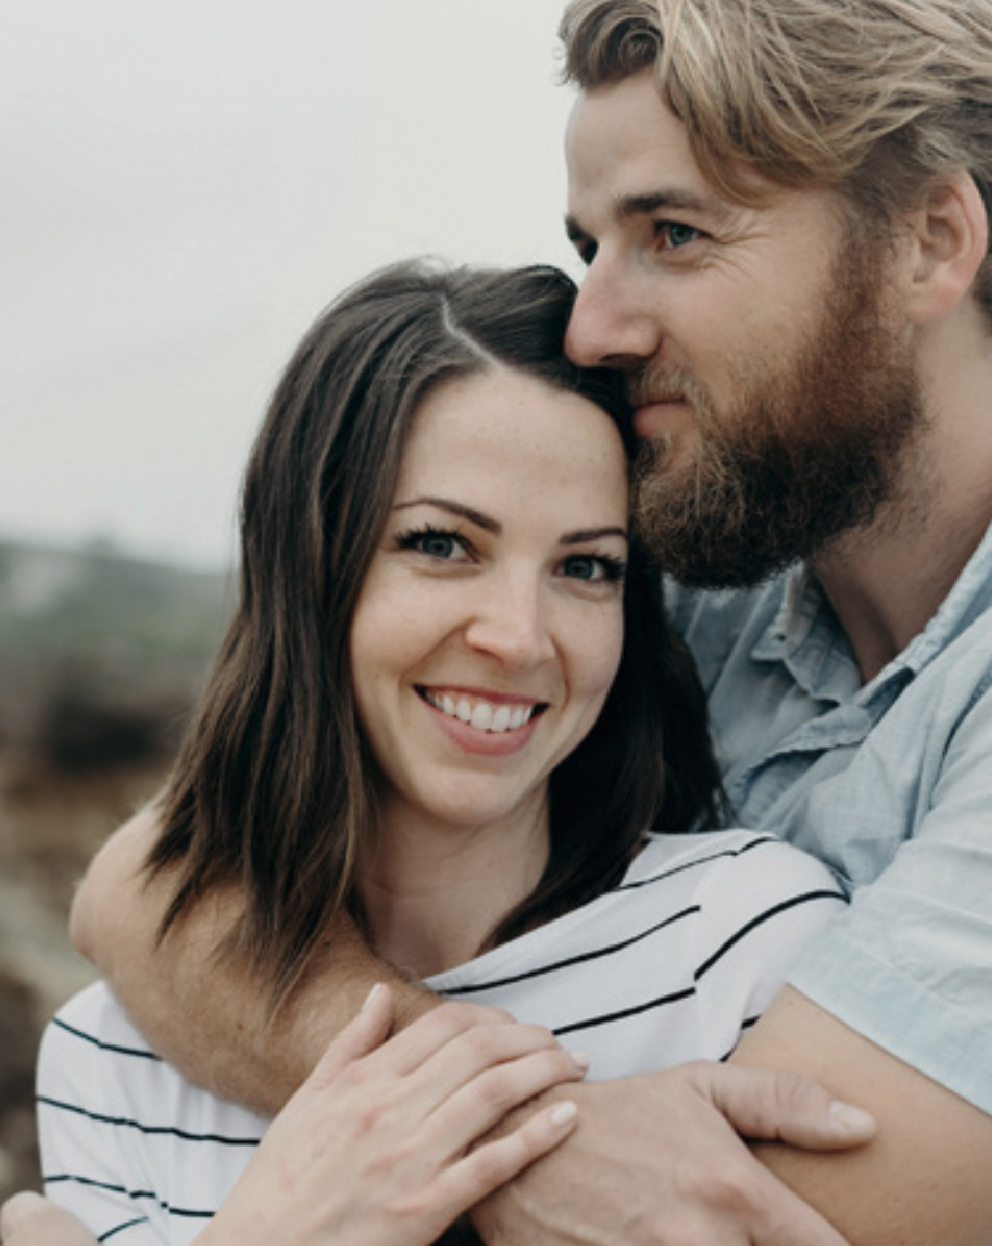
pixel 674 235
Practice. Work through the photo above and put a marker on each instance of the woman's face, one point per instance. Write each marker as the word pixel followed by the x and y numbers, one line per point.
pixel 489 627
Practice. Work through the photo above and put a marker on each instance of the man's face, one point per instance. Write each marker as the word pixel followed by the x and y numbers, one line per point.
pixel 776 394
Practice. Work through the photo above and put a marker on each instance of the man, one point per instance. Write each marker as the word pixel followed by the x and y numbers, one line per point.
pixel 784 210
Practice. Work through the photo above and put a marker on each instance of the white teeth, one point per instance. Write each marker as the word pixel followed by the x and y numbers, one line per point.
pixel 483 716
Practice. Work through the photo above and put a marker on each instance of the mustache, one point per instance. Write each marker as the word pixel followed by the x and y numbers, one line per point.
pixel 644 386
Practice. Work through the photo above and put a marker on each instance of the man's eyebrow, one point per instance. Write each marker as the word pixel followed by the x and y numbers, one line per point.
pixel 645 203
pixel 454 508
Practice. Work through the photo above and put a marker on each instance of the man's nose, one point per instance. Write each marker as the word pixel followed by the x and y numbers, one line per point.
pixel 612 324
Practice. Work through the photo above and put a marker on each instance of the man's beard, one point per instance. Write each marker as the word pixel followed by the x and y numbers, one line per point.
pixel 811 449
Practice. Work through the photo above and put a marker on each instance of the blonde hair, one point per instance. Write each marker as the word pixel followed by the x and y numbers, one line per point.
pixel 879 99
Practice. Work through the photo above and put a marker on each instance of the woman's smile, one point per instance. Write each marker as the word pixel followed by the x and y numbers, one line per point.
pixel 489 628
pixel 485 725
pixel 491 712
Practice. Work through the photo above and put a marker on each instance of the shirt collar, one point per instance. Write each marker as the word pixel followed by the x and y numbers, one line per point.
pixel 805 629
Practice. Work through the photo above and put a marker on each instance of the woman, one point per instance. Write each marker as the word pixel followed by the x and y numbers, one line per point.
pixel 441 707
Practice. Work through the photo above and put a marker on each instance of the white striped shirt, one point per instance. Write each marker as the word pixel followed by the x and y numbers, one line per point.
pixel 670 965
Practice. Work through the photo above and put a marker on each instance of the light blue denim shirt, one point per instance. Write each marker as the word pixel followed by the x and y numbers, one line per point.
pixel 889 783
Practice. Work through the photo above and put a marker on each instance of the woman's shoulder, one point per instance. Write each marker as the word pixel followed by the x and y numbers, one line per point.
pixel 735 865
pixel 703 849
pixel 93 1019
pixel 91 1054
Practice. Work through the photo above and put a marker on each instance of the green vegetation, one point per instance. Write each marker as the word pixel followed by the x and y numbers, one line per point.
pixel 101 656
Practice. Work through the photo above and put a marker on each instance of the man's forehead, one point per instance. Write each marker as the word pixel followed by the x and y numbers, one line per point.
pixel 624 140
pixel 629 156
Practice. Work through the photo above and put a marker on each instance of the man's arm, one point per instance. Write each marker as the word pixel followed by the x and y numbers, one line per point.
pixel 211 1020
pixel 655 1162
pixel 923 1179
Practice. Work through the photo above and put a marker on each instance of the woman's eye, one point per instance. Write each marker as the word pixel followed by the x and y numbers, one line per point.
pixel 440 546
pixel 593 569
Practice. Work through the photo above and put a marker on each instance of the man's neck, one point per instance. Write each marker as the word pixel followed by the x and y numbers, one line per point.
pixel 886 582
pixel 885 591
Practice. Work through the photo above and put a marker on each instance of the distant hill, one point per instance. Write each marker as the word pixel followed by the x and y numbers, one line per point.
pixel 101 656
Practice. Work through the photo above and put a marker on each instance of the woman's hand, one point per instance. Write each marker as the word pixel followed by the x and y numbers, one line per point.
pixel 27 1219
pixel 377 1146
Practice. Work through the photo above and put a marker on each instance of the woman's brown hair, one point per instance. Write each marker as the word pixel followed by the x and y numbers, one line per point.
pixel 272 790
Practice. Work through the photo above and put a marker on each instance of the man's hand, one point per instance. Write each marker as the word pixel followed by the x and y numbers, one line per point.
pixel 924 1181
pixel 27 1219
pixel 657 1160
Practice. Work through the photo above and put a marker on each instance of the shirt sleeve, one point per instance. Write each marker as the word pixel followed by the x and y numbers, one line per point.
pixel 85 1167
pixel 759 910
pixel 909 966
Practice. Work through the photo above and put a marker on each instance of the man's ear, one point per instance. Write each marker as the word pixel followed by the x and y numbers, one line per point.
pixel 949 242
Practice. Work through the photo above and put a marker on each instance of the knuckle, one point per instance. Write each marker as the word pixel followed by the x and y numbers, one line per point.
pixel 543 1039
pixel 353 1078
pixel 479 1044
pixel 494 1091
pixel 731 1191
pixel 796 1090
pixel 451 1018
pixel 492 1165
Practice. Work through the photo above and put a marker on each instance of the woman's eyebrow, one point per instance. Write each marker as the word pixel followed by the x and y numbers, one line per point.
pixel 455 508
pixel 591 534
pixel 494 526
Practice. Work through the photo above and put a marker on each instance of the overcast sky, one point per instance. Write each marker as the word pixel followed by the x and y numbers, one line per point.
pixel 186 184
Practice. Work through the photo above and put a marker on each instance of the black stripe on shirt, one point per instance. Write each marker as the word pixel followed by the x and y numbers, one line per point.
pixel 126 1122
pixel 607 1018
pixel 579 959
pixel 105 1046
pixel 805 897
pixel 759 842
pixel 747 1024
pixel 687 992
pixel 128 1224
pixel 76 1179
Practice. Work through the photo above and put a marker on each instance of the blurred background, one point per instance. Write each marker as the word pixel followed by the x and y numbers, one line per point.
pixel 183 187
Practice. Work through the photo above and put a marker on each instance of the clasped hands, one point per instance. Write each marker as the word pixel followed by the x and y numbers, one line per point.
pixel 391 1139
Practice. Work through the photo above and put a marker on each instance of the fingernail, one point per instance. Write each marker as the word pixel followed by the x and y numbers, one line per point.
pixel 852 1119
pixel 563 1113
pixel 372 995
pixel 581 1060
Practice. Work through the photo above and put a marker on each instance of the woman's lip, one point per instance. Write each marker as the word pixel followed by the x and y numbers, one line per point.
pixel 478 740
pixel 457 691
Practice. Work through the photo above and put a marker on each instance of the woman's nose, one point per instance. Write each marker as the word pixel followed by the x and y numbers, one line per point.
pixel 511 622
